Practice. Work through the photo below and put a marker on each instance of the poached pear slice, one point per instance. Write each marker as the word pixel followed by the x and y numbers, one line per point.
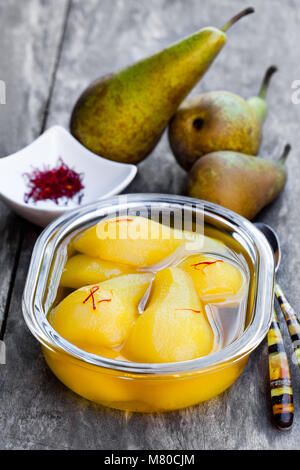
pixel 173 327
pixel 135 241
pixel 99 317
pixel 213 277
pixel 82 270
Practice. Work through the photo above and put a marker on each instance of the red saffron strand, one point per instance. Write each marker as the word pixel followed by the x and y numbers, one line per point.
pixel 92 292
pixel 104 300
pixel 190 309
pixel 206 263
pixel 119 220
pixel 53 184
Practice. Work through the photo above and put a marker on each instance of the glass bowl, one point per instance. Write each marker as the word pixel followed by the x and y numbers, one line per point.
pixel 138 386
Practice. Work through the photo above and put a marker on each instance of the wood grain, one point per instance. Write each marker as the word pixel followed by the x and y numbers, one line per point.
pixel 36 411
pixel 29 50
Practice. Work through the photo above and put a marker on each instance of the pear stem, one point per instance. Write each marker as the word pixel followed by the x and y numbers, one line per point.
pixel 285 153
pixel 265 83
pixel 237 17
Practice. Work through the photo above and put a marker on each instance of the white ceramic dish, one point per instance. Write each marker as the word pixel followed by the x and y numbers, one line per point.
pixel 102 178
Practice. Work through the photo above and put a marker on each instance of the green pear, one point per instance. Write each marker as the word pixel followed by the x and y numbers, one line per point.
pixel 258 103
pixel 122 116
pixel 237 181
pixel 218 120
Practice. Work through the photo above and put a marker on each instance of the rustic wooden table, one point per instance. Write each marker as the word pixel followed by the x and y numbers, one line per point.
pixel 50 50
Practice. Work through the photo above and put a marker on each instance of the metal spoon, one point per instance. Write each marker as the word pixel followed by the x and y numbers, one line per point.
pixel 280 379
pixel 291 317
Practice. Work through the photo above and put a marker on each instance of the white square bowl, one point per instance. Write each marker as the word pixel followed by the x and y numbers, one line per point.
pixel 102 178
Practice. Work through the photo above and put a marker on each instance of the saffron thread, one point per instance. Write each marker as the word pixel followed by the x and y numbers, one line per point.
pixel 119 220
pixel 104 300
pixel 206 263
pixel 190 309
pixel 92 292
pixel 61 182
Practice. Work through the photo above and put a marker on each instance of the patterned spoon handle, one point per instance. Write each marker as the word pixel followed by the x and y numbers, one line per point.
pixel 280 379
pixel 292 321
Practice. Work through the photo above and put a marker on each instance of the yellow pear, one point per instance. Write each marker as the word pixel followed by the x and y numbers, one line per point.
pixel 101 315
pixel 212 276
pixel 83 270
pixel 173 327
pixel 132 240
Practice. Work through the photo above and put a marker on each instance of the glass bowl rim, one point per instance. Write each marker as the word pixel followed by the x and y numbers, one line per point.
pixel 39 326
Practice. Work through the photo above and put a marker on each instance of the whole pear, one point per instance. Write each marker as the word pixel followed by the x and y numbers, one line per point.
pixel 238 181
pixel 122 116
pixel 218 120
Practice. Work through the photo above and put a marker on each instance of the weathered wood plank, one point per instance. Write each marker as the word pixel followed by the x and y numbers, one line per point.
pixel 36 411
pixel 9 252
pixel 30 36
pixel 29 48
